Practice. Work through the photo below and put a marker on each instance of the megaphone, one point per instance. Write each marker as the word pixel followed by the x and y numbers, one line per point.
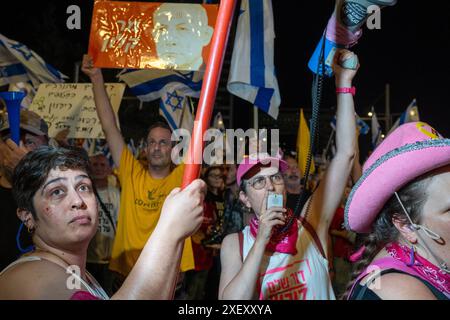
pixel 13 100
pixel 343 31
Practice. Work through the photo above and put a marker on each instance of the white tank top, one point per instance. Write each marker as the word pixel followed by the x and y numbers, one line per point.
pixel 93 287
pixel 287 277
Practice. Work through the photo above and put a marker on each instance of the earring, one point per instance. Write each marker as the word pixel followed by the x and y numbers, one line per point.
pixel 30 230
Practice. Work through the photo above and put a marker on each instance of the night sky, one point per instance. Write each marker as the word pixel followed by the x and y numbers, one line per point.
pixel 410 52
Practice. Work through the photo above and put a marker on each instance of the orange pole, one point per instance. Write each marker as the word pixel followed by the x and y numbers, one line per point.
pixel 209 89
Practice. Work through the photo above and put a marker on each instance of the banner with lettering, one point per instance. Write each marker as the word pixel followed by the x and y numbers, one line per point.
pixel 71 106
pixel 141 35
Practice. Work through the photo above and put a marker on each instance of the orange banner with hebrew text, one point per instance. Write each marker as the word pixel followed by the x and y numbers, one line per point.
pixel 142 35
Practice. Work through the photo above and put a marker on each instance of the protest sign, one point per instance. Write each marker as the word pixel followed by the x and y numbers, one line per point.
pixel 71 106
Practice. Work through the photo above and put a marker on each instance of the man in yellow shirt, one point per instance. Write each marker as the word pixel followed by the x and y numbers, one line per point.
pixel 143 189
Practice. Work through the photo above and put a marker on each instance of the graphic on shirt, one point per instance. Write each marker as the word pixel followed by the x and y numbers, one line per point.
pixel 153 202
pixel 286 283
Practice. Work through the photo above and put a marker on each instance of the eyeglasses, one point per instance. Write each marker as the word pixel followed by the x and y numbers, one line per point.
pixel 161 144
pixel 260 182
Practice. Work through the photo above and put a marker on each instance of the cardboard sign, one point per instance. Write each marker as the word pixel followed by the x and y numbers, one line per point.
pixel 142 35
pixel 71 106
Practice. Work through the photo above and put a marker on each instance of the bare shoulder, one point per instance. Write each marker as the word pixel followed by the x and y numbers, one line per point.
pixel 400 286
pixel 35 280
pixel 231 242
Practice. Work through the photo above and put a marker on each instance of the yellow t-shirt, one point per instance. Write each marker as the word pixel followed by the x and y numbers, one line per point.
pixel 140 207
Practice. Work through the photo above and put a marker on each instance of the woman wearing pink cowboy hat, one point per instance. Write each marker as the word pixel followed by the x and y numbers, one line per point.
pixel 279 256
pixel 402 204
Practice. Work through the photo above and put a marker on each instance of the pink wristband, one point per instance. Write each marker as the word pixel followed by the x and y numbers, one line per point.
pixel 351 90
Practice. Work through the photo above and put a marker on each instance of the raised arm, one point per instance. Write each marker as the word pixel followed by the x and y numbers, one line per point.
pixel 328 195
pixel 104 110
pixel 155 272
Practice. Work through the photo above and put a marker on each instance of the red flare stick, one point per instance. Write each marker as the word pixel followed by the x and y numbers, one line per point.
pixel 209 90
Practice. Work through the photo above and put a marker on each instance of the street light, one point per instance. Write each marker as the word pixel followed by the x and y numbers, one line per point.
pixel 370 114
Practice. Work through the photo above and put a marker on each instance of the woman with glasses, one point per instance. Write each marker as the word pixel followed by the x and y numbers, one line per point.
pixel 279 256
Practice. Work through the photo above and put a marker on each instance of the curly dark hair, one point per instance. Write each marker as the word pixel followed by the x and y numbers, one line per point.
pixel 32 171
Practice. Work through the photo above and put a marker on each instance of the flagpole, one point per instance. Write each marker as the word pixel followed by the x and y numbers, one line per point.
pixel 387 105
pixel 255 118
pixel 209 90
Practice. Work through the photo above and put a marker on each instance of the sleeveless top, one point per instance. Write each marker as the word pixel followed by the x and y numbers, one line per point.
pixel 93 289
pixel 303 276
pixel 386 265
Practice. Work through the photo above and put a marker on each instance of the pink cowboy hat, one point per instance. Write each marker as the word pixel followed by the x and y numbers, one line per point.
pixel 250 161
pixel 408 152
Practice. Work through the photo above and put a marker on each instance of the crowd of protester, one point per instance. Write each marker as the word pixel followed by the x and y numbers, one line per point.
pixel 135 235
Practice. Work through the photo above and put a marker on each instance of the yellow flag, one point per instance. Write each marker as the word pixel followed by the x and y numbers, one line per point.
pixel 303 145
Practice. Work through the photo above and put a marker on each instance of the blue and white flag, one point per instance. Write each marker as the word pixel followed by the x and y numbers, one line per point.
pixel 176 109
pixel 252 71
pixel 20 64
pixel 98 146
pixel 411 114
pixel 362 125
pixel 376 130
pixel 150 84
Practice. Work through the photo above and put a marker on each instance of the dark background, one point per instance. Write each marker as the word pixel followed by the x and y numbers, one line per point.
pixel 410 52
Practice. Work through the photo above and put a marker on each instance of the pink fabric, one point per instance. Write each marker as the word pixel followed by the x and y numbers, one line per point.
pixel 424 268
pixel 251 161
pixel 383 264
pixel 357 255
pixel 83 295
pixel 280 242
pixel 339 34
pixel 372 193
pixel 405 134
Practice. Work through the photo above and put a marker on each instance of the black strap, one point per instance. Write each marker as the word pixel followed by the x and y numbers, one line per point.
pixel 105 210
pixel 313 234
pixel 438 294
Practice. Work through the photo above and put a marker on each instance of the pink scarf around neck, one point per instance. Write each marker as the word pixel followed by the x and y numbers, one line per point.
pixel 283 242
pixel 424 268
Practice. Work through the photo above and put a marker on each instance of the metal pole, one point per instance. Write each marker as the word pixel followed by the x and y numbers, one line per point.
pixel 76 72
pixel 255 118
pixel 209 90
pixel 387 112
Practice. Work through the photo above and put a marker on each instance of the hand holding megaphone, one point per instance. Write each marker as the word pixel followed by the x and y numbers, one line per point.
pixel 345 66
pixel 343 30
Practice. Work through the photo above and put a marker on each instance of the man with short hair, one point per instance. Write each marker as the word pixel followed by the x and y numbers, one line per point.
pixel 294 183
pixel 100 247
pixel 144 189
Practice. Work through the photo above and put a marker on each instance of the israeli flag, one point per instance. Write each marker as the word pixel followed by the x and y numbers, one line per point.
pixel 362 125
pixel 20 64
pixel 252 72
pixel 411 114
pixel 176 109
pixel 150 84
